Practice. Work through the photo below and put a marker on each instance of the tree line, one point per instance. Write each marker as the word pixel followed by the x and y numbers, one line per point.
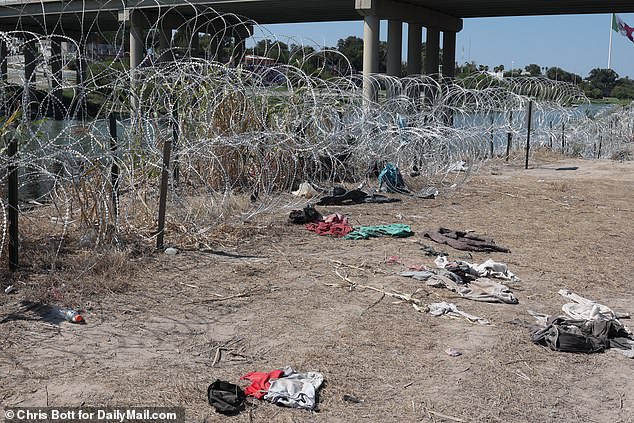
pixel 598 84
pixel 347 58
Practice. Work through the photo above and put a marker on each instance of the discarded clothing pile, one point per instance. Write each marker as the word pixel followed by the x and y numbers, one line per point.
pixel 488 269
pixel 334 224
pixel 471 281
pixel 588 327
pixel 307 215
pixel 463 240
pixel 341 197
pixel 227 398
pixel 285 387
pixel 282 387
pixel 397 230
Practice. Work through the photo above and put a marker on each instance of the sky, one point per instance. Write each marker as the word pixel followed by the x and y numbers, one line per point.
pixel 576 43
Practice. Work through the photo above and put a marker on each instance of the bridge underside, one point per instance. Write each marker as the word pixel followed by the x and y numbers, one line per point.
pixel 78 19
pixel 292 11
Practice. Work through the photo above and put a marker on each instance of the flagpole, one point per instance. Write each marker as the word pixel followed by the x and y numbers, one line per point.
pixel 610 46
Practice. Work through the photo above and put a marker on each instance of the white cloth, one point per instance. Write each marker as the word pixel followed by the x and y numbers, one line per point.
pixel 306 190
pixel 297 390
pixel 585 309
pixel 494 269
pixel 488 269
pixel 450 310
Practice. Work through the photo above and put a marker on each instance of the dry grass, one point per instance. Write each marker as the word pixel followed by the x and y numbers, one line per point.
pixel 264 297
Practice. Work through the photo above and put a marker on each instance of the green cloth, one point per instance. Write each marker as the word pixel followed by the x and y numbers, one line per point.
pixel 397 230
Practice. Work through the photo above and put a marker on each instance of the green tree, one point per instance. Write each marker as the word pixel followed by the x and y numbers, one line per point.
pixel 623 89
pixel 589 91
pixel 513 73
pixel 352 48
pixel 272 49
pixel 603 79
pixel 558 74
pixel 467 69
pixel 306 58
pixel 534 69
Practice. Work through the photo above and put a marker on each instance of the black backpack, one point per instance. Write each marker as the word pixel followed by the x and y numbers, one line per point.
pixel 225 397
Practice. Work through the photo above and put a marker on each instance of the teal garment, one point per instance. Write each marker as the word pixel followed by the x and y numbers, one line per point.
pixel 397 230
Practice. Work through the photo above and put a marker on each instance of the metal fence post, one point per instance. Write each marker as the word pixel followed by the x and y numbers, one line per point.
pixel 509 136
pixel 167 150
pixel 528 132
pixel 13 204
pixel 114 170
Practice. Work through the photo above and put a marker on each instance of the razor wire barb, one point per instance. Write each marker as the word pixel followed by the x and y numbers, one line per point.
pixel 247 132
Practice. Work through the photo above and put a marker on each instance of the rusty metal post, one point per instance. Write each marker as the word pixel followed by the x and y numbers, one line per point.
pixel 528 132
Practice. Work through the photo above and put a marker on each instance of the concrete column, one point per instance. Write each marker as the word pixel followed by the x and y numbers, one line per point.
pixel 240 43
pixel 4 57
pixel 240 48
pixel 449 54
pixel 194 44
pixel 394 47
pixel 370 54
pixel 136 41
pixel 414 47
pixel 80 63
pixel 212 52
pixel 30 54
pixel 57 77
pixel 165 42
pixel 136 56
pixel 432 51
pixel 80 76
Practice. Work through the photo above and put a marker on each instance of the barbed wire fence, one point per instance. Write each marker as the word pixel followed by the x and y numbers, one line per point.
pixel 91 133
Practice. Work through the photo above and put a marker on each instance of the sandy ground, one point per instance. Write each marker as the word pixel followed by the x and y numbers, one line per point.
pixel 274 299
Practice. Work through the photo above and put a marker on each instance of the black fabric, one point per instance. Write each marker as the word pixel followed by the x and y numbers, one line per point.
pixel 225 397
pixel 355 196
pixel 462 240
pixel 307 215
pixel 583 336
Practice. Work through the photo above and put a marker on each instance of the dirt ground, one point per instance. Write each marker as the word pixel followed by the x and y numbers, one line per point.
pixel 274 299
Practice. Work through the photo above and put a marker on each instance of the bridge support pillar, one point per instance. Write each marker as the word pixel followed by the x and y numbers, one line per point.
pixel 194 44
pixel 240 38
pixel 80 76
pixel 370 55
pixel 432 51
pixel 57 78
pixel 394 47
pixel 448 54
pixel 136 41
pixel 414 48
pixel 30 61
pixel 165 41
pixel 239 50
pixel 212 52
pixel 136 56
pixel 4 58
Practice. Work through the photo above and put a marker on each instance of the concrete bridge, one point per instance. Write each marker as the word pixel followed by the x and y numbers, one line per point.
pixel 78 18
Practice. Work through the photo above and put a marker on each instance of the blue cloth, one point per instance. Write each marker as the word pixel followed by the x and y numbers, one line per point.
pixel 391 180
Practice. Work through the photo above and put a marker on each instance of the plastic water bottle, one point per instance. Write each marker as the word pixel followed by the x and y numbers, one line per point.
pixel 69 315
